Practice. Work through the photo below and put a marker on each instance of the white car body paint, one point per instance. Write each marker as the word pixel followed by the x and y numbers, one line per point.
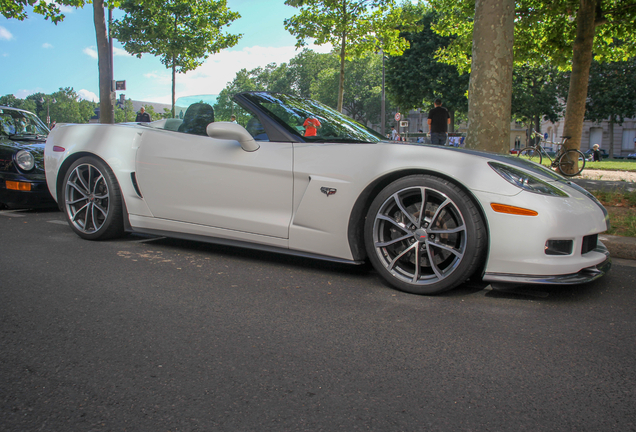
pixel 273 194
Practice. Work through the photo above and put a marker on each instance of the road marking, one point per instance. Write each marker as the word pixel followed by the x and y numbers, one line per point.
pixel 11 213
pixel 59 222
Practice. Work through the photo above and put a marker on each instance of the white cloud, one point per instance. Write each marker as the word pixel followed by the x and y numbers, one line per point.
pixel 121 52
pixel 47 45
pixel 23 93
pixel 88 95
pixel 221 68
pixel 66 9
pixel 90 51
pixel 5 34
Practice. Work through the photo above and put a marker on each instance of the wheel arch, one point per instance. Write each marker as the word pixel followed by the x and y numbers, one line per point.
pixel 362 204
pixel 61 173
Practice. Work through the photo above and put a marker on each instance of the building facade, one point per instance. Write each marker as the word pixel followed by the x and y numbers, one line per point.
pixel 623 136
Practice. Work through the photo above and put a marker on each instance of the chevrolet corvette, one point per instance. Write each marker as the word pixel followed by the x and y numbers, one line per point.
pixel 295 176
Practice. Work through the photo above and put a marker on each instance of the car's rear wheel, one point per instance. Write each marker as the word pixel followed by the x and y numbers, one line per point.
pixel 424 235
pixel 92 200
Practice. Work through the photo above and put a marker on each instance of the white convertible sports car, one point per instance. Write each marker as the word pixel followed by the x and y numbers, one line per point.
pixel 297 177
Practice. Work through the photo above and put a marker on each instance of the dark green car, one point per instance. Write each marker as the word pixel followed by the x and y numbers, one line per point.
pixel 22 180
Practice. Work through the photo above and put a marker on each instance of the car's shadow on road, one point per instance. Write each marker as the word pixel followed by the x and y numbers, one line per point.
pixel 257 255
pixel 545 293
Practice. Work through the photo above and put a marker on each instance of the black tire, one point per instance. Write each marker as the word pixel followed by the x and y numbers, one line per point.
pixel 566 162
pixel 429 254
pixel 532 154
pixel 92 200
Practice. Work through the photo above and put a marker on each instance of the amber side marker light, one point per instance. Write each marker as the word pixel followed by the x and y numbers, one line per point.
pixel 503 208
pixel 19 186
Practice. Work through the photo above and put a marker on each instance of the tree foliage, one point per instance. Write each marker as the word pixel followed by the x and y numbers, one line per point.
pixel 535 94
pixel 315 76
pixel 562 33
pixel 612 94
pixel 295 77
pixel 182 33
pixel 353 27
pixel 363 88
pixel 545 31
pixel 125 112
pixel 416 78
pixel 69 108
pixel 14 102
pixel 18 9
pixel 64 106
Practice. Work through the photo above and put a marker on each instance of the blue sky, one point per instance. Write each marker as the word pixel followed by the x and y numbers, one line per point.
pixel 39 56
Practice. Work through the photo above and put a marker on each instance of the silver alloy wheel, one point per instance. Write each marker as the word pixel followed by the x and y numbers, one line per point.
pixel 419 235
pixel 87 198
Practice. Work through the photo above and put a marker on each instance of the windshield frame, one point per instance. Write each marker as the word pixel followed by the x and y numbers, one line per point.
pixel 340 128
pixel 10 118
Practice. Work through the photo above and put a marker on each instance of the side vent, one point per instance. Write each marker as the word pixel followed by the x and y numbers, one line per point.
pixel 589 243
pixel 133 177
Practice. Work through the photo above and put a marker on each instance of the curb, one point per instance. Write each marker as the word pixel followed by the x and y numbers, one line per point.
pixel 620 247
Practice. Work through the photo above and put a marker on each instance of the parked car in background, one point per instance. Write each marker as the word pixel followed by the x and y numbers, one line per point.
pixel 22 179
pixel 295 176
pixel 631 156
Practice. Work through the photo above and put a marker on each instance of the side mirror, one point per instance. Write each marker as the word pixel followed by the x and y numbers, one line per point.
pixel 233 131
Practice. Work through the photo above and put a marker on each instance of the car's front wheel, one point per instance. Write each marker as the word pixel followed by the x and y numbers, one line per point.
pixel 424 235
pixel 92 200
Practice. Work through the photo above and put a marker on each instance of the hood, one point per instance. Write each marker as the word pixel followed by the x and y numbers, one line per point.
pixel 536 169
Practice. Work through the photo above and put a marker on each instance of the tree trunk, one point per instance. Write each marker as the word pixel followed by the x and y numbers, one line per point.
pixel 490 89
pixel 342 73
pixel 581 61
pixel 174 79
pixel 611 133
pixel 103 60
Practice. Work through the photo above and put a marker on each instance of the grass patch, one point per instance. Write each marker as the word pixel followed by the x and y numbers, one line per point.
pixel 621 207
pixel 612 165
pixel 607 165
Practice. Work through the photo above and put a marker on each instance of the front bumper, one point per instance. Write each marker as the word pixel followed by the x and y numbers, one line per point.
pixel 38 197
pixel 585 275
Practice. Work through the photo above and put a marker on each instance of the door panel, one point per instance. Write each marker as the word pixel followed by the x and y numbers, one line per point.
pixel 216 183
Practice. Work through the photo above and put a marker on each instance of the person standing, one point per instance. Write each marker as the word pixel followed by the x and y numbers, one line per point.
pixel 311 125
pixel 143 116
pixel 395 136
pixel 438 121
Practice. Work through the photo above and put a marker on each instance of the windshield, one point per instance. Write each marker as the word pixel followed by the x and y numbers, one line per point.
pixel 311 120
pixel 16 124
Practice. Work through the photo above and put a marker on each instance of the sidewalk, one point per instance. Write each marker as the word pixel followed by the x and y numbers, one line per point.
pixel 619 247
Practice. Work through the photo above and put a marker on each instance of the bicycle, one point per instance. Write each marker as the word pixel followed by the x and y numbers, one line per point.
pixel 566 161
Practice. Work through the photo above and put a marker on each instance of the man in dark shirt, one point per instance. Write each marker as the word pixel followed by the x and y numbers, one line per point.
pixel 438 121
pixel 143 116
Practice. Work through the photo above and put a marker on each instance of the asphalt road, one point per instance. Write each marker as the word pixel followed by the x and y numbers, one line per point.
pixel 145 334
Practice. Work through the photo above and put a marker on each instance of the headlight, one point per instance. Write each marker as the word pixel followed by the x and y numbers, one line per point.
pixel 526 181
pixel 25 160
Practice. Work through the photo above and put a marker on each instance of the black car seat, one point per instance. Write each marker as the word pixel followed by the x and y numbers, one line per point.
pixel 197 118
